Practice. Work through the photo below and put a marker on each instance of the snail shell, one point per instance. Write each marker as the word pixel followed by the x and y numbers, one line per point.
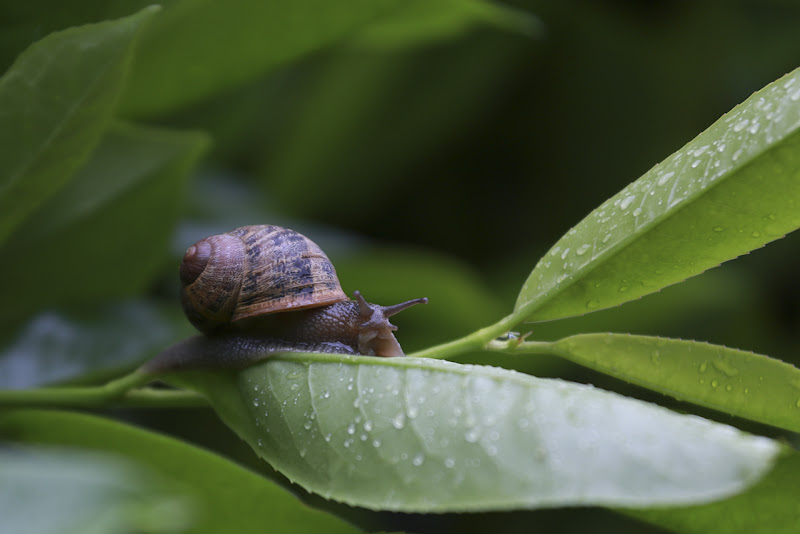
pixel 252 271
pixel 270 282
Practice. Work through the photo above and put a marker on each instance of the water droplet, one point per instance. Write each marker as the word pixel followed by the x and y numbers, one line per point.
pixel 255 401
pixel 326 394
pixel 737 154
pixel 754 128
pixel 399 421
pixel 725 367
pixel 367 425
pixel 472 435
pixel 363 437
pixel 449 463
pixel 703 367
pixel 583 249
pixel 351 428
pixel 564 254
pixel 714 383
pixel 756 233
pixel 696 163
pixel 623 289
pixel 795 96
pixel 413 411
pixel 606 238
pixel 376 443
pixel 592 304
pixel 260 443
pixel 294 387
pixel 729 388
pixel 637 212
pixel 719 228
pixel 747 390
pixel 626 202
pixel 664 179
pixel 328 437
pixel 739 126
pixel 700 151
pixel 418 460
pixel 307 425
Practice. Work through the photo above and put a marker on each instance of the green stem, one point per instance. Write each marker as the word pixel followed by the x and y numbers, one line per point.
pixel 119 392
pixel 481 339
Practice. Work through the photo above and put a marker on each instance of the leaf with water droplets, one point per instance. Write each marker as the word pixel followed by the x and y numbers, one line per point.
pixel 732 189
pixel 414 434
pixel 737 382
pixel 769 507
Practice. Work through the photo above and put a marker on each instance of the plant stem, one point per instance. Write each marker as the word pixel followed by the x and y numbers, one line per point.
pixel 477 340
pixel 119 392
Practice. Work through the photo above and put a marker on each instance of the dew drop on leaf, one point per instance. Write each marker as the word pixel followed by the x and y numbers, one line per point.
pixel 399 421
pixel 664 179
pixel 625 204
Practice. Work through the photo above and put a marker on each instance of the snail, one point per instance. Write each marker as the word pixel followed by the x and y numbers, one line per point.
pixel 268 288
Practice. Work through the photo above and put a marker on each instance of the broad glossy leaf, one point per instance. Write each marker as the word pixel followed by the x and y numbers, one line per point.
pixel 730 190
pixel 106 231
pixel 771 506
pixel 198 48
pixel 734 381
pixel 428 435
pixel 48 491
pixel 58 346
pixel 225 496
pixel 55 102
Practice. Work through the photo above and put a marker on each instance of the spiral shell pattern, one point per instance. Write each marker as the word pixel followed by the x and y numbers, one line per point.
pixel 252 271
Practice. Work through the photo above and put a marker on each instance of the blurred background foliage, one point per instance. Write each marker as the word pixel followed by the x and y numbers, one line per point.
pixel 431 148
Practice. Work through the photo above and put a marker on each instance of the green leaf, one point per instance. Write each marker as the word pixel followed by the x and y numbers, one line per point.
pixel 732 189
pixel 734 381
pixel 198 48
pixel 226 497
pixel 769 506
pixel 44 491
pixel 57 346
pixel 423 435
pixel 108 230
pixel 55 102
pixel 419 21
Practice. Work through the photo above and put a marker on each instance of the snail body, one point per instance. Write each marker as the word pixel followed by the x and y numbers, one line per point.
pixel 271 283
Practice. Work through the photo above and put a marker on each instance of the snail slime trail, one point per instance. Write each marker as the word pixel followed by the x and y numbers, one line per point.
pixel 268 289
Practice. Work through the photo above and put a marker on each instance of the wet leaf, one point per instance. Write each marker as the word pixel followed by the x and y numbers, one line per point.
pixel 426 435
pixel 732 189
pixel 737 382
pixel 769 506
